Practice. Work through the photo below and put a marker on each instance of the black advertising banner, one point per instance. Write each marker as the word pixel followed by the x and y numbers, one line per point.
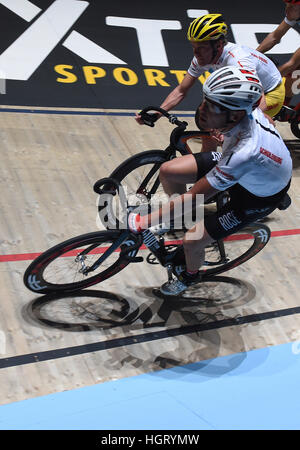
pixel 115 54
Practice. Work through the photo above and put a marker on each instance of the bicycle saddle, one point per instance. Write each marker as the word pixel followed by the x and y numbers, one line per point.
pixel 285 202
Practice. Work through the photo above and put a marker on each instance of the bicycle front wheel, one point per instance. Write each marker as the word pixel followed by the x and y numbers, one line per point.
pixel 61 268
pixel 237 249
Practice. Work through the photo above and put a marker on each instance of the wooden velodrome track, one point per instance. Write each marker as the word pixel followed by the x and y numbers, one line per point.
pixel 49 163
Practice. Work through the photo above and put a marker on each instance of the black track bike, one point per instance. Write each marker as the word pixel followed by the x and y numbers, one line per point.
pixel 91 258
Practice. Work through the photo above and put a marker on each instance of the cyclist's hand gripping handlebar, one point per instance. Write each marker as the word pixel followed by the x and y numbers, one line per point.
pixel 150 118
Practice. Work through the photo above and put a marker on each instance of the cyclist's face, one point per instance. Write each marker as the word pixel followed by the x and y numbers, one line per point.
pixel 212 116
pixel 203 52
pixel 292 12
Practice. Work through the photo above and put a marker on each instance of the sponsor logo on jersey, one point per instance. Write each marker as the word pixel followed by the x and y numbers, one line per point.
pixel 226 175
pixel 270 155
pixel 260 58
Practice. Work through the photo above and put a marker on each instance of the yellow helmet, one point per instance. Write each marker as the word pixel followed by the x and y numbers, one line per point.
pixel 206 28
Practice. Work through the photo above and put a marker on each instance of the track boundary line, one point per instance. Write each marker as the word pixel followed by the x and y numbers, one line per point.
pixel 32 256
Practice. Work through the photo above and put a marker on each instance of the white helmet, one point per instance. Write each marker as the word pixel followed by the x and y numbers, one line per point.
pixel 233 88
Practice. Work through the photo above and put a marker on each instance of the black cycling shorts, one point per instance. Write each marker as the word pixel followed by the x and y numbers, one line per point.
pixel 206 161
pixel 242 208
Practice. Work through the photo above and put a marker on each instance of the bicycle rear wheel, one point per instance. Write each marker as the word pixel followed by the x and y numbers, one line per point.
pixel 61 267
pixel 139 176
pixel 238 248
pixel 295 127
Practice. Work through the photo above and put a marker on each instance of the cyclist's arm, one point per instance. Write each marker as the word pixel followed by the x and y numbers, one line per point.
pixel 177 204
pixel 204 187
pixel 291 64
pixel 179 93
pixel 274 37
pixel 175 97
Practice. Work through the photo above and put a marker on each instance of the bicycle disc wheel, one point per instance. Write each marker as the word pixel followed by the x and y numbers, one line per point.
pixel 139 176
pixel 61 267
pixel 239 248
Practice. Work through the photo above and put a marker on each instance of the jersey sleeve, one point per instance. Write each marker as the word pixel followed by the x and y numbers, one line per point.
pixel 195 70
pixel 228 171
pixel 241 59
pixel 291 23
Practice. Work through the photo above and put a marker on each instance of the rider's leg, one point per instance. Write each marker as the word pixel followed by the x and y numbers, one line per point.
pixel 288 89
pixel 175 174
pixel 232 217
pixel 290 70
pixel 194 243
pixel 292 82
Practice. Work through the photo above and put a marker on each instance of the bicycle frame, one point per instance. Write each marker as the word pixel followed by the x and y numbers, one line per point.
pixel 178 142
pixel 179 137
pixel 154 244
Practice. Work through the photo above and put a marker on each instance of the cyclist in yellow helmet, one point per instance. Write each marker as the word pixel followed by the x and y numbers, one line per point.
pixel 292 17
pixel 207 28
pixel 207 35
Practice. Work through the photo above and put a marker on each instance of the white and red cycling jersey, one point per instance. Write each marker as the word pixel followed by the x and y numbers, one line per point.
pixel 242 56
pixel 254 156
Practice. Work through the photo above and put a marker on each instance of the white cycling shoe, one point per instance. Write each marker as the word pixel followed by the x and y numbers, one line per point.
pixel 179 284
pixel 173 288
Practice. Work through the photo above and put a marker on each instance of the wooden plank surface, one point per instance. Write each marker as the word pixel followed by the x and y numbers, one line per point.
pixel 49 164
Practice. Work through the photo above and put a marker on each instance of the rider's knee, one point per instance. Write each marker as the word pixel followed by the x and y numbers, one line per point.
pixel 166 170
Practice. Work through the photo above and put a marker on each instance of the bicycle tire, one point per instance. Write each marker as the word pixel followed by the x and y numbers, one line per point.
pixel 39 278
pixel 151 158
pixel 256 234
pixel 295 128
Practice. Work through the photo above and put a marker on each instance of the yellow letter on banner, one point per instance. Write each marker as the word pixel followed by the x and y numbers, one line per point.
pixel 93 72
pixel 131 76
pixel 204 77
pixel 62 70
pixel 179 74
pixel 155 77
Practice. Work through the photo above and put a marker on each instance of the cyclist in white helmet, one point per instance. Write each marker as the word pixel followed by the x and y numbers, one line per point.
pixel 292 17
pixel 255 168
pixel 207 35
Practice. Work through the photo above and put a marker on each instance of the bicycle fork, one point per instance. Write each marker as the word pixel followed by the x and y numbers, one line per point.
pixel 81 256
